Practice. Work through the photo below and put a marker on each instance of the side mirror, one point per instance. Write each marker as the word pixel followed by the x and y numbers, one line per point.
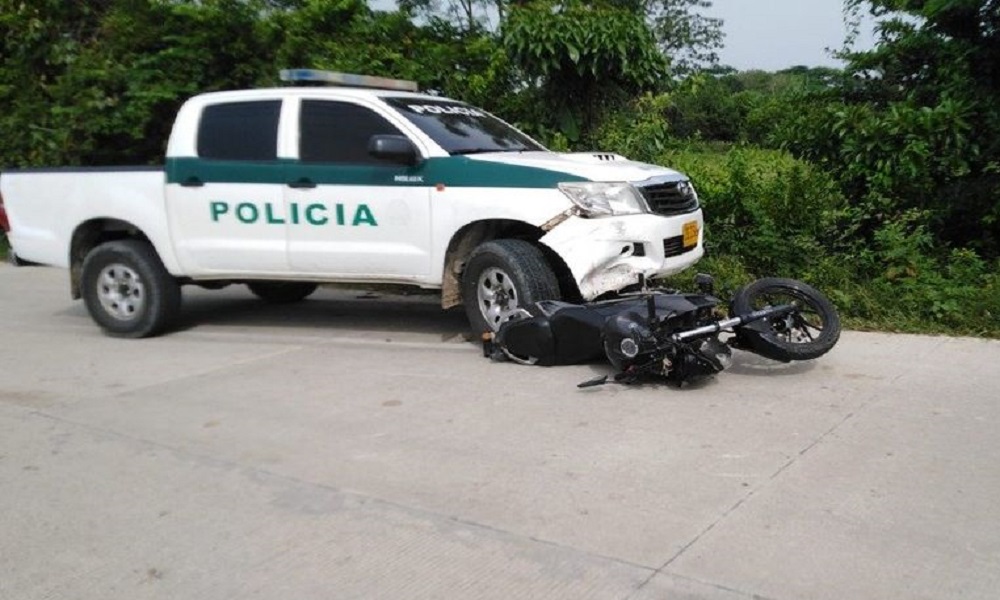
pixel 395 148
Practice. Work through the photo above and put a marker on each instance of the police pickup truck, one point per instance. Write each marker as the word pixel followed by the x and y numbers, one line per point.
pixel 362 181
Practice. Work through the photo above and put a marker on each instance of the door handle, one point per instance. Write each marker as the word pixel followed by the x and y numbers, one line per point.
pixel 302 183
pixel 192 181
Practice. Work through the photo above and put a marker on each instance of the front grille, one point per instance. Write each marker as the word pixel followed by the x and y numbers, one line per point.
pixel 671 198
pixel 674 246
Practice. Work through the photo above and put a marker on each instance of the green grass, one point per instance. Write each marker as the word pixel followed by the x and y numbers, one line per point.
pixel 4 246
pixel 935 303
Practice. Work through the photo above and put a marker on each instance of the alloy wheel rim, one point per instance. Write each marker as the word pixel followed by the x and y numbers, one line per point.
pixel 498 299
pixel 121 292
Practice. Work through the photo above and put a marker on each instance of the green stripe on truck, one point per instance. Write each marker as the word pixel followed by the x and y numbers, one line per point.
pixel 454 171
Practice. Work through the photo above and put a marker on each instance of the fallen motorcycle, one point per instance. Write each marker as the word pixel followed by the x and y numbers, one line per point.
pixel 671 335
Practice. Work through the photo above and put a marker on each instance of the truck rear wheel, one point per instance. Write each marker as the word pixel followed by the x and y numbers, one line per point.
pixel 501 277
pixel 282 292
pixel 128 291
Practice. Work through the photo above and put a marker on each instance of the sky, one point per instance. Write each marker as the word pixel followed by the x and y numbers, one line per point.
pixel 776 34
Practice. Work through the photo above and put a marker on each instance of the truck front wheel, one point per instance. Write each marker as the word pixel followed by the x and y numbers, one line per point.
pixel 128 291
pixel 501 277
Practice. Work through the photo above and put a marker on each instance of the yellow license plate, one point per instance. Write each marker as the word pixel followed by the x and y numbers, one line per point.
pixel 690 231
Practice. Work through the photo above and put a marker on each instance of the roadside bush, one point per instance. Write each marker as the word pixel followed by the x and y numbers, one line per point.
pixel 771 214
pixel 641 131
pixel 774 212
pixel 895 283
pixel 951 290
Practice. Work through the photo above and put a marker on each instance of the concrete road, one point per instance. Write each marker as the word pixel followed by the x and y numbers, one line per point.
pixel 358 448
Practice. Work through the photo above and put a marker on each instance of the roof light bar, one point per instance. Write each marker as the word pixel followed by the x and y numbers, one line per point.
pixel 347 79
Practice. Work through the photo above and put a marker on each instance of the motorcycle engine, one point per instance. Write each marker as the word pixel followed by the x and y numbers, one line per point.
pixel 628 341
pixel 635 348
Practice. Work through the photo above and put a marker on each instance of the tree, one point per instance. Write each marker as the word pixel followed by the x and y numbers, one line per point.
pixel 438 55
pixel 97 83
pixel 684 34
pixel 916 124
pixel 582 60
pixel 93 83
pixel 38 40
pixel 467 15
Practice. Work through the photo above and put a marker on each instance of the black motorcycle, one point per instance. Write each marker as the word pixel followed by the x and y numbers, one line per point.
pixel 672 335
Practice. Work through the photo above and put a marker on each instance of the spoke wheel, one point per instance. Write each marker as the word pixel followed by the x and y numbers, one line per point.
pixel 808 332
pixel 803 326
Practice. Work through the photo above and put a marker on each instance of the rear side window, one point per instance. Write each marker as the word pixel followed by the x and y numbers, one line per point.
pixel 338 132
pixel 240 131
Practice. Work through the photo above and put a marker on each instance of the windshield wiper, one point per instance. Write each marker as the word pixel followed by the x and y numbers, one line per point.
pixel 474 151
pixel 485 150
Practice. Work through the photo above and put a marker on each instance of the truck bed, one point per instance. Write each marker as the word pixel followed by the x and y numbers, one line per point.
pixel 45 205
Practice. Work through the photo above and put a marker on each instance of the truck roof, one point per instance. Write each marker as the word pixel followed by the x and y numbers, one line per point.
pixel 314 91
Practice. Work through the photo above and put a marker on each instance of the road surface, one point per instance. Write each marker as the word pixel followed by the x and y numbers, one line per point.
pixel 357 447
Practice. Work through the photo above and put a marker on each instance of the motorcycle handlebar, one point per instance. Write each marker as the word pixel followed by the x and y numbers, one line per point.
pixel 764 313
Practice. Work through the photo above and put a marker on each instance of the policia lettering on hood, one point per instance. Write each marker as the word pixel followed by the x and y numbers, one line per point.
pixel 249 213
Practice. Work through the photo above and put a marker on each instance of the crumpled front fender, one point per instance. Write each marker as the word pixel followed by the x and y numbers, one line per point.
pixel 608 254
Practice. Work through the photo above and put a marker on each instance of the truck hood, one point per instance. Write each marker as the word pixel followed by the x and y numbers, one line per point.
pixel 595 166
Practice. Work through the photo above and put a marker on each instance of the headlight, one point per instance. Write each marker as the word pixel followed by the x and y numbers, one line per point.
pixel 598 199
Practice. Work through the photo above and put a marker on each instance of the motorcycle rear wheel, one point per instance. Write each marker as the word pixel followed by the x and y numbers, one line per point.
pixel 809 332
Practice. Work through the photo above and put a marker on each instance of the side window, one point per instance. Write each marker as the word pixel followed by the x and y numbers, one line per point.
pixel 240 130
pixel 338 132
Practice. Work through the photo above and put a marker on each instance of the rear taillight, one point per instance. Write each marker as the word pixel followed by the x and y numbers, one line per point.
pixel 4 223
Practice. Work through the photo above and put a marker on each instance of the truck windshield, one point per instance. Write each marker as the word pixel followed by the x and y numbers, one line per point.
pixel 460 128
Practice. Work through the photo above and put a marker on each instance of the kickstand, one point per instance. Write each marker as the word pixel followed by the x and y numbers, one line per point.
pixel 624 378
pixel 596 381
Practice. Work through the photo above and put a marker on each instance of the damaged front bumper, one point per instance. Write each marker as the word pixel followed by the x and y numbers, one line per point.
pixel 608 254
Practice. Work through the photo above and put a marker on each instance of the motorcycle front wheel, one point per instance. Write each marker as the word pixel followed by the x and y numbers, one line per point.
pixel 808 332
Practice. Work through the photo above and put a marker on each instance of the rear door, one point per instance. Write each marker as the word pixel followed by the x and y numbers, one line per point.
pixel 351 214
pixel 226 204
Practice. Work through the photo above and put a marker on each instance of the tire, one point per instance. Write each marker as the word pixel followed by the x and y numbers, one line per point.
pixel 282 292
pixel 128 291
pixel 501 277
pixel 806 334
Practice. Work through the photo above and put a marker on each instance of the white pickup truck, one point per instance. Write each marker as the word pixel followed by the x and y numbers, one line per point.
pixel 287 188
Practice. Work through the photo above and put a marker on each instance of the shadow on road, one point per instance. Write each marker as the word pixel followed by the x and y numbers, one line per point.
pixel 746 363
pixel 344 310
pixel 339 310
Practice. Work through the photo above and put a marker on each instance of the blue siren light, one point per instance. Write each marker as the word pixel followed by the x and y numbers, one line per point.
pixel 347 79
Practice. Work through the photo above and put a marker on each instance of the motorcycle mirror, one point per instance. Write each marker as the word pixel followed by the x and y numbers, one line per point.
pixel 705 283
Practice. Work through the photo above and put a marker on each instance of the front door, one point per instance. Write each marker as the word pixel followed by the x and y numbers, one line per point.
pixel 349 213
